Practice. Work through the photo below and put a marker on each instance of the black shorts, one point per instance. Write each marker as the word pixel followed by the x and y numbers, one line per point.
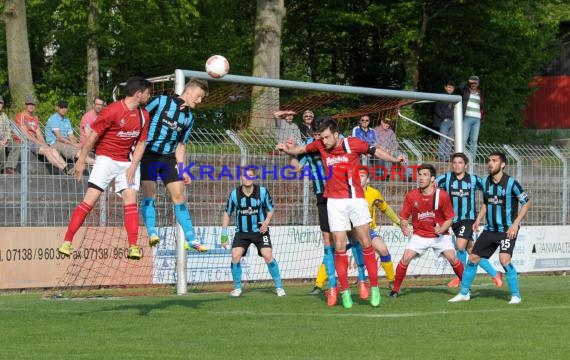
pixel 156 166
pixel 322 212
pixel 244 239
pixel 463 229
pixel 489 241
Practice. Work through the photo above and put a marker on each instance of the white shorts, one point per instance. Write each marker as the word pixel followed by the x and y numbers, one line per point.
pixel 439 244
pixel 343 212
pixel 106 169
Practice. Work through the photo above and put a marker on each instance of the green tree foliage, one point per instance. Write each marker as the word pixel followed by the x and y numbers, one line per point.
pixel 378 43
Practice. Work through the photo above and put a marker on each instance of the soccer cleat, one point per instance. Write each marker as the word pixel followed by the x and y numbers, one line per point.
pixel 153 240
pixel 454 282
pixel 393 294
pixel 346 299
pixel 316 291
pixel 375 297
pixel 195 246
pixel 515 300
pixel 280 292
pixel 65 248
pixel 460 297
pixel 497 279
pixel 332 295
pixel 236 293
pixel 134 252
pixel 364 290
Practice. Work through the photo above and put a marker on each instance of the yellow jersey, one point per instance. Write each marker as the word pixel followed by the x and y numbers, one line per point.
pixel 376 201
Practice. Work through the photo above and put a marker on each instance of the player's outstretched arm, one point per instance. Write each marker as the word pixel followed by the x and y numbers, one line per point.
pixel 381 154
pixel 290 149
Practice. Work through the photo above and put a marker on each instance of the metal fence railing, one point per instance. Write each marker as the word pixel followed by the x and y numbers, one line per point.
pixel 41 196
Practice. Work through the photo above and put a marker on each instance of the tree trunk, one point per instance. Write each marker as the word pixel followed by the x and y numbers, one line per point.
pixel 412 65
pixel 18 52
pixel 92 54
pixel 266 60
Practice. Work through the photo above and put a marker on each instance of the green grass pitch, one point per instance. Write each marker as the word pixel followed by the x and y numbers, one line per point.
pixel 420 324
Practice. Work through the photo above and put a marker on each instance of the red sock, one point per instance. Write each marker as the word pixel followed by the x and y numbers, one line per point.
pixel 401 270
pixel 371 264
pixel 132 223
pixel 77 219
pixel 341 267
pixel 458 269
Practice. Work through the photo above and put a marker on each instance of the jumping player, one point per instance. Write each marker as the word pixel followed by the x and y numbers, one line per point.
pixel 164 157
pixel 118 128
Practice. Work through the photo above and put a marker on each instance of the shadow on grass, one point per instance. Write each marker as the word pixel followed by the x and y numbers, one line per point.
pixel 146 309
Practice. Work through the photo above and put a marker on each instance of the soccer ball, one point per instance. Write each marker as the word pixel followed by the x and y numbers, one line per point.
pixel 217 66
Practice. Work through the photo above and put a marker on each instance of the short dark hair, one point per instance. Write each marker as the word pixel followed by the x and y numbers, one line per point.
pixel 98 98
pixel 429 167
pixel 460 155
pixel 501 156
pixel 202 84
pixel 137 83
pixel 450 82
pixel 328 124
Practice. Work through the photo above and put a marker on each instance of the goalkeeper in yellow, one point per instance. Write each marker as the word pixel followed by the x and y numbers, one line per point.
pixel 377 202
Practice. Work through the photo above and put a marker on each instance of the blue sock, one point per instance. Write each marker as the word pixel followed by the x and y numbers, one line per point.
pixel 236 275
pixel 359 260
pixel 488 267
pixel 462 256
pixel 185 220
pixel 149 216
pixel 512 279
pixel 328 260
pixel 274 271
pixel 468 277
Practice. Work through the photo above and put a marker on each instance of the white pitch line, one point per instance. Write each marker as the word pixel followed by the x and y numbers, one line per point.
pixel 393 315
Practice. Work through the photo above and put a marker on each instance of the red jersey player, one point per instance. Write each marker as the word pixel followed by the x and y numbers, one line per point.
pixel 345 201
pixel 432 215
pixel 118 128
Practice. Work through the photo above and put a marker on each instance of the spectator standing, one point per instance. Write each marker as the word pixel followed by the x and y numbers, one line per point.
pixel 473 114
pixel 364 132
pixel 285 127
pixel 386 141
pixel 443 121
pixel 307 128
pixel 89 118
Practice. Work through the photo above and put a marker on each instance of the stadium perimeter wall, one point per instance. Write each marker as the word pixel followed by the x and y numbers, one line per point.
pixel 29 258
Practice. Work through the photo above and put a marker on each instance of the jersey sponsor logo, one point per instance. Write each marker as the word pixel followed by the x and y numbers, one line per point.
pixel 128 134
pixel 122 122
pixel 249 211
pixel 426 215
pixel 336 160
pixel 171 124
pixel 459 193
pixel 495 200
